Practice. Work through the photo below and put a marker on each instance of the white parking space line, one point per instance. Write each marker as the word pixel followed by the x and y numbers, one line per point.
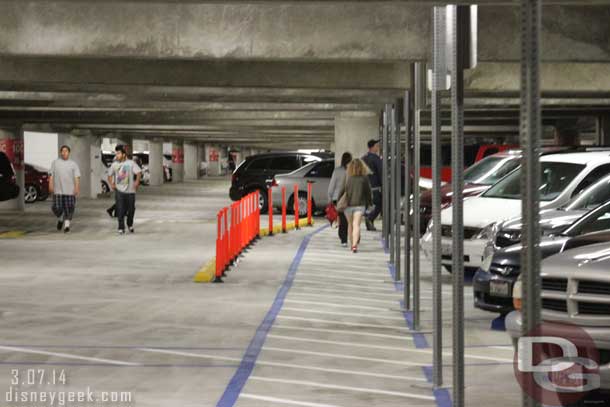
pixel 68 356
pixel 283 401
pixel 284 365
pixel 393 295
pixel 365 287
pixel 376 280
pixel 343 332
pixel 333 304
pixel 346 314
pixel 343 356
pixel 342 297
pixel 354 324
pixel 346 388
pixel 368 273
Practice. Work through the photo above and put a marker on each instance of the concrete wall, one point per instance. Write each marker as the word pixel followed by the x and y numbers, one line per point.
pixel 40 148
pixel 352 132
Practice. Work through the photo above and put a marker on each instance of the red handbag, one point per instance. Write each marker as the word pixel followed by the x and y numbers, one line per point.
pixel 331 212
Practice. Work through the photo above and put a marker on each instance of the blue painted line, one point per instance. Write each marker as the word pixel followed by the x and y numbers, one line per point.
pixel 237 383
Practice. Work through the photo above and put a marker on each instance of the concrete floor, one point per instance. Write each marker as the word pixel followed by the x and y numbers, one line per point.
pixel 120 313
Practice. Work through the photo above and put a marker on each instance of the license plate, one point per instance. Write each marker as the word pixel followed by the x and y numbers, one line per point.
pixel 499 288
pixel 446 249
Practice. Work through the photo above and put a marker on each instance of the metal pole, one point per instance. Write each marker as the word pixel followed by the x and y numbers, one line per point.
pixel 384 177
pixel 438 80
pixel 530 168
pixel 396 186
pixel 407 204
pixel 392 187
pixel 419 96
pixel 460 24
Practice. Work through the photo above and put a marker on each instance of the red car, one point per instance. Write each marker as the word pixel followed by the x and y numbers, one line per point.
pixel 36 184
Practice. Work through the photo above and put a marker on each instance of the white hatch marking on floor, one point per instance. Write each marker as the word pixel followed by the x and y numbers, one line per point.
pixel 333 304
pixel 341 297
pixel 343 356
pixel 346 314
pixel 343 332
pixel 283 401
pixel 68 356
pixel 329 321
pixel 347 388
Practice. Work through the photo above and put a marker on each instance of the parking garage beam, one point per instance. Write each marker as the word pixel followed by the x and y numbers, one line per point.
pixel 155 161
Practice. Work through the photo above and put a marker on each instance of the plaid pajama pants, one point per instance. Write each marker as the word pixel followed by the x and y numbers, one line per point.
pixel 64 205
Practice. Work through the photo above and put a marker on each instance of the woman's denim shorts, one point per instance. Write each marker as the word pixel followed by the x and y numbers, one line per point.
pixel 350 210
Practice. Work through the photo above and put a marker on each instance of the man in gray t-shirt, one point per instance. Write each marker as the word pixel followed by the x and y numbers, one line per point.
pixel 124 177
pixel 64 184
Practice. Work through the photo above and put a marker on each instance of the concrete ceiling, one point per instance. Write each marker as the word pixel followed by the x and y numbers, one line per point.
pixel 266 73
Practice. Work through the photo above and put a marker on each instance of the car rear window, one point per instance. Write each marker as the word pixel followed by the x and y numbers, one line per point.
pixel 285 163
pixel 259 164
pixel 322 170
pixel 555 178
pixel 490 170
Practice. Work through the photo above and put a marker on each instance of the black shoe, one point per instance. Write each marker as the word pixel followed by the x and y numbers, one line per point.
pixel 60 224
pixel 131 230
pixel 370 226
pixel 67 230
pixel 110 213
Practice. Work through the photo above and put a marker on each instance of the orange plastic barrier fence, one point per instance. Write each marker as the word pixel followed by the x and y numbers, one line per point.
pixel 295 200
pixel 309 204
pixel 284 229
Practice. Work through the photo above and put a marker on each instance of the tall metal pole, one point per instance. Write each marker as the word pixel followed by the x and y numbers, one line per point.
pixel 392 187
pixel 459 26
pixel 384 177
pixel 396 186
pixel 407 204
pixel 419 98
pixel 385 197
pixel 438 80
pixel 530 167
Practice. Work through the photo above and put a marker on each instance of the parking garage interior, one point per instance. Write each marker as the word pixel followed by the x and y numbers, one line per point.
pixel 197 91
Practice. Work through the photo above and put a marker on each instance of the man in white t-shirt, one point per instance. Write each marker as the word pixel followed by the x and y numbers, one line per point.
pixel 64 184
pixel 124 178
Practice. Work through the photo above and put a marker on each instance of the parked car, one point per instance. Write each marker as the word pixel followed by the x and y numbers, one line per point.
pixel 36 183
pixel 575 293
pixel 257 171
pixel 493 282
pixel 8 182
pixel 473 153
pixel 316 173
pixel 552 221
pixel 563 176
pixel 477 179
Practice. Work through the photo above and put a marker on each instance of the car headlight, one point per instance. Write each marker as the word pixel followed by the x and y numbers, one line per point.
pixel 487 263
pixel 488 232
pixel 517 294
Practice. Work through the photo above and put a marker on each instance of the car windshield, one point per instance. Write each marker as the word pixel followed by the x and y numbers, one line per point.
pixel 594 221
pixel 591 197
pixel 490 170
pixel 556 176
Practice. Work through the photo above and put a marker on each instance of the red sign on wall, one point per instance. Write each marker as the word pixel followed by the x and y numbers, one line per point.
pixel 214 155
pixel 14 151
pixel 177 155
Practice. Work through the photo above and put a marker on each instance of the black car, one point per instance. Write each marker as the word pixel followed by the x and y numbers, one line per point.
pixel 256 171
pixel 493 282
pixel 8 182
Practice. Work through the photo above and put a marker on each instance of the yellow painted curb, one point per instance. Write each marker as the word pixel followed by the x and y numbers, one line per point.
pixel 207 272
pixel 12 234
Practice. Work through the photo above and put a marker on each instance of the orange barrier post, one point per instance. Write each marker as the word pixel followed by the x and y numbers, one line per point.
pixel 270 205
pixel 295 198
pixel 309 207
pixel 219 249
pixel 226 240
pixel 284 210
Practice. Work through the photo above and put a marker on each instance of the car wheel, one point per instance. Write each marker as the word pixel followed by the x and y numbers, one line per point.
pixel 30 194
pixel 302 204
pixel 262 200
pixel 105 188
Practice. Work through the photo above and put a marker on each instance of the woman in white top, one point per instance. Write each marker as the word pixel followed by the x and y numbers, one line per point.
pixel 336 189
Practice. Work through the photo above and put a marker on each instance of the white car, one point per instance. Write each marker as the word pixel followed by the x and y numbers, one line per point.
pixel 564 176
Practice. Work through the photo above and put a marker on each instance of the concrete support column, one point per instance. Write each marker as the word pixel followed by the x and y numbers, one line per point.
pixel 191 161
pixel 178 161
pixel 81 144
pixel 212 154
pixel 352 131
pixel 11 143
pixel 155 161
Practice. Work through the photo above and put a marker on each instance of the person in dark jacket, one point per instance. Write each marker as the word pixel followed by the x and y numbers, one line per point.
pixel 358 197
pixel 375 165
pixel 335 190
